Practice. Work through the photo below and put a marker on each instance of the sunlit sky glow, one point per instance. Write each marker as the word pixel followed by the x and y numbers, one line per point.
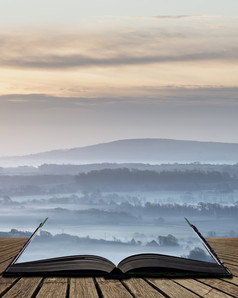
pixel 76 73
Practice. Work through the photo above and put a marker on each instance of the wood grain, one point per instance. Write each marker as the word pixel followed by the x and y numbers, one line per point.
pixel 171 288
pixel 200 288
pixel 82 288
pixel 221 285
pixel 53 287
pixel 5 283
pixel 141 288
pixel 112 288
pixel 25 287
pixel 5 255
pixel 233 280
pixel 4 265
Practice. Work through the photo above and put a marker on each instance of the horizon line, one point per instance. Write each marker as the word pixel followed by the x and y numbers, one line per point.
pixel 113 141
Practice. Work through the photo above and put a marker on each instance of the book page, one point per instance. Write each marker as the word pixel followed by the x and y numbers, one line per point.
pixel 116 242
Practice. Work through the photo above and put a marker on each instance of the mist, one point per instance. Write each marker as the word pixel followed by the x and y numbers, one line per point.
pixel 116 210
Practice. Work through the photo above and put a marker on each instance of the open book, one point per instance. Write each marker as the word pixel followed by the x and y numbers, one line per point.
pixel 145 264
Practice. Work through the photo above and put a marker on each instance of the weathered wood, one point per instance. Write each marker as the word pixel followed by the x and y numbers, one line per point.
pixel 11 240
pixel 112 288
pixel 233 269
pixel 4 265
pixel 230 265
pixel 200 288
pixel 217 241
pixel 6 241
pixel 5 283
pixel 25 287
pixel 11 249
pixel 221 285
pixel 11 245
pixel 171 288
pixel 8 254
pixel 229 260
pixel 233 280
pixel 82 288
pixel 231 255
pixel 141 288
pixel 222 243
pixel 53 287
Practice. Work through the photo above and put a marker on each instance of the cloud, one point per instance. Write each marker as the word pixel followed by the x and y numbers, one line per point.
pixel 178 17
pixel 82 61
pixel 138 43
pixel 119 60
pixel 165 17
pixel 166 96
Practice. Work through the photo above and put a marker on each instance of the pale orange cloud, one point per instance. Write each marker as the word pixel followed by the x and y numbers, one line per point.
pixel 119 57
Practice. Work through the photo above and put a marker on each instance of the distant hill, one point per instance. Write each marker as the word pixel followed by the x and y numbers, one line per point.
pixel 154 151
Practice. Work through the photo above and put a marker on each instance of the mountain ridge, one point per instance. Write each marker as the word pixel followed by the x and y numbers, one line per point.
pixel 147 150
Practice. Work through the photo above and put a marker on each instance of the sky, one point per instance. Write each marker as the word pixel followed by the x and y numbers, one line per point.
pixel 75 73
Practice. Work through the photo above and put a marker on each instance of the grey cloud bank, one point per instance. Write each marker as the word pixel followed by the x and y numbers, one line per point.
pixel 78 61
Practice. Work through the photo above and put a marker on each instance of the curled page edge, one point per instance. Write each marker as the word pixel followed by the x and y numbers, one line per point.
pixel 207 246
pixel 27 243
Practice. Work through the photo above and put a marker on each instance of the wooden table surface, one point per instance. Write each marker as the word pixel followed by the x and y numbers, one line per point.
pixel 24 287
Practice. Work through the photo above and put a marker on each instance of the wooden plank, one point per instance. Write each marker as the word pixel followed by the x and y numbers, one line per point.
pixel 82 288
pixel 8 254
pixel 230 260
pixel 233 269
pixel 25 287
pixel 4 241
pixel 230 263
pixel 5 283
pixel 11 246
pixel 171 288
pixel 200 288
pixel 12 240
pixel 222 244
pixel 233 280
pixel 4 265
pixel 112 288
pixel 223 240
pixel 218 244
pixel 141 288
pixel 53 287
pixel 10 250
pixel 221 285
pixel 223 249
pixel 231 255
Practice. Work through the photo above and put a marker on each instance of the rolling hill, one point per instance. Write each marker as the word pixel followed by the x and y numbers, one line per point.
pixel 154 151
